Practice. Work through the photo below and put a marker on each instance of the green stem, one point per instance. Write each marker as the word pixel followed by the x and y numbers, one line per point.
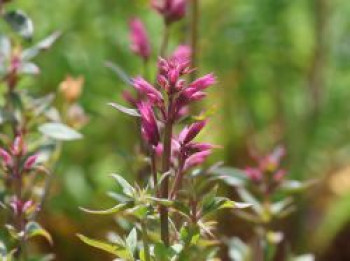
pixel 145 241
pixel 194 36
pixel 165 41
pixel 165 168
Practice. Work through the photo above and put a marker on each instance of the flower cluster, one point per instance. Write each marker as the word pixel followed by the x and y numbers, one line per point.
pixel 268 171
pixel 171 10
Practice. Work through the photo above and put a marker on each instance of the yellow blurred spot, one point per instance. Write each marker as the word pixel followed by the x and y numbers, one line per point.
pixel 71 88
pixel 340 181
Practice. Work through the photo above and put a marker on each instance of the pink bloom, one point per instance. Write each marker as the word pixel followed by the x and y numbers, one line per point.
pixel 172 10
pixel 189 133
pixel 203 82
pixel 30 162
pixel 6 157
pixel 196 159
pixel 272 161
pixel 18 147
pixel 143 87
pixel 149 125
pixel 182 53
pixel 139 40
pixel 127 96
pixel 254 174
pixel 279 175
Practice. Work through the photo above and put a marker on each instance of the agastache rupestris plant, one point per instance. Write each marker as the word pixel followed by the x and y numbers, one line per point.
pixel 31 131
pixel 268 191
pixel 171 212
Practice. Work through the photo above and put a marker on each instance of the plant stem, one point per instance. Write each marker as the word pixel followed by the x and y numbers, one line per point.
pixel 165 41
pixel 154 171
pixel 178 180
pixel 194 36
pixel 145 241
pixel 165 168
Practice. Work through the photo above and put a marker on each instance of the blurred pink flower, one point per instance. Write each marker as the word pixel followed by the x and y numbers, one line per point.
pixel 171 10
pixel 145 88
pixel 149 125
pixel 139 39
pixel 182 53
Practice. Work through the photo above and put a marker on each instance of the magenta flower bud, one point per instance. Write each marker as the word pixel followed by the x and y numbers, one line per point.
pixel 182 53
pixel 6 157
pixel 139 39
pixel 30 162
pixel 128 97
pixel 279 175
pixel 203 82
pixel 196 159
pixel 163 82
pixel 159 149
pixel 193 131
pixel 149 125
pixel 147 89
pixel 18 147
pixel 201 146
pixel 254 174
pixel 172 10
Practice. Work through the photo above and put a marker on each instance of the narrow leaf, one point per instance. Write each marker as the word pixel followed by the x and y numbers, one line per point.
pixel 34 229
pixel 126 187
pixel 107 247
pixel 20 23
pixel 129 111
pixel 122 75
pixel 59 131
pixel 113 210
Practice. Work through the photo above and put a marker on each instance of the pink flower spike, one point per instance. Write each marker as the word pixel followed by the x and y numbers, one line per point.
pixel 149 125
pixel 182 53
pixel 30 162
pixel 203 82
pixel 18 147
pixel 172 10
pixel 6 157
pixel 139 39
pixel 279 175
pixel 193 131
pixel 196 159
pixel 143 87
pixel 254 174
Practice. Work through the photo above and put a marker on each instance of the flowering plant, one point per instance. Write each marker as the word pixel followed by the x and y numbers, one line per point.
pixel 32 130
pixel 268 191
pixel 171 211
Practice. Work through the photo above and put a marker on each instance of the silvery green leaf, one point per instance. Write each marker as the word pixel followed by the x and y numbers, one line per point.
pixel 231 176
pixel 129 111
pixel 45 44
pixel 5 47
pixel 29 68
pixel 128 190
pixel 59 131
pixel 247 197
pixel 20 23
pixel 119 72
pixel 131 241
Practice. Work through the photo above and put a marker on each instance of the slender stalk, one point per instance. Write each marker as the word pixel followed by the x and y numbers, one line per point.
pixel 178 180
pixel 145 241
pixel 154 171
pixel 165 168
pixel 194 36
pixel 165 41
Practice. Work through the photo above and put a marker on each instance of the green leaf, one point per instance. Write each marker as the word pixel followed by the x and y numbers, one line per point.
pixel 20 23
pixel 43 45
pixel 59 131
pixel 129 111
pixel 3 249
pixel 29 68
pixel 162 201
pixel 162 252
pixel 34 229
pixel 126 187
pixel 113 210
pixel 107 247
pixel 122 75
pixel 246 196
pixel 231 176
pixel 131 241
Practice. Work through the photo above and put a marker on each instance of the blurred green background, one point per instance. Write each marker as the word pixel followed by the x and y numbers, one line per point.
pixel 284 78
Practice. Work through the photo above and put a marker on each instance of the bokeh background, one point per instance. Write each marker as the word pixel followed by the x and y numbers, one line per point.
pixel 284 78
